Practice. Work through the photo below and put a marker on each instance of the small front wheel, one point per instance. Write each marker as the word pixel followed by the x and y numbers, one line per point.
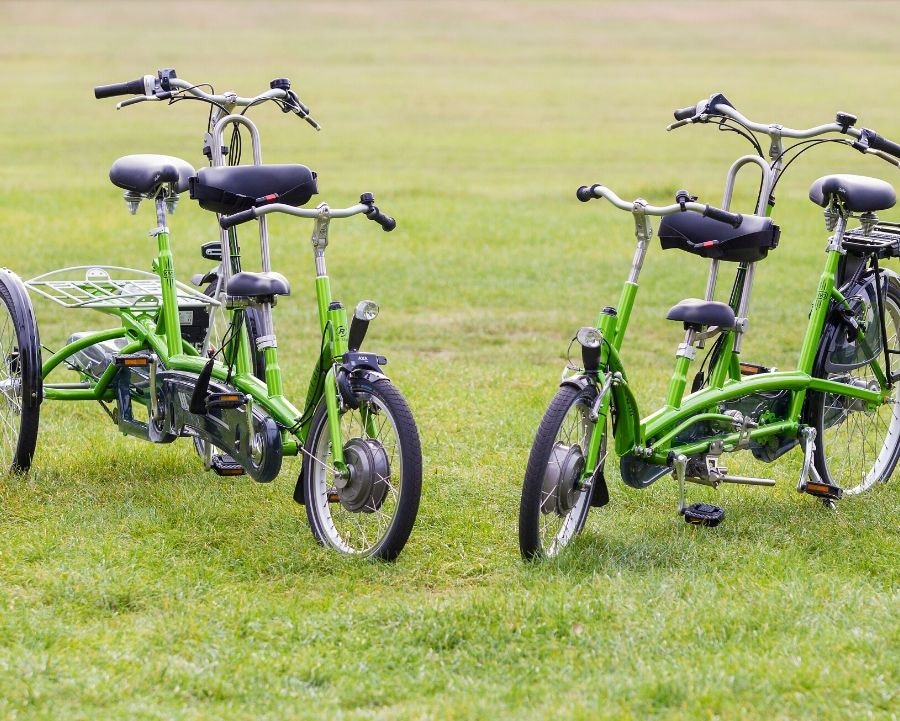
pixel 369 510
pixel 555 502
pixel 21 386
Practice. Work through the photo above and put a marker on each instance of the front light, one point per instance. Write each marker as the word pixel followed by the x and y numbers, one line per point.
pixel 589 337
pixel 366 310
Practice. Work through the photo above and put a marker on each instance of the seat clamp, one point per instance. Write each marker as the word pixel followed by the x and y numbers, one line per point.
pixel 686 351
pixel 741 325
pixel 266 341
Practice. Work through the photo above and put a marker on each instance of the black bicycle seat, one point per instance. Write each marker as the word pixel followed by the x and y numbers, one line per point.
pixel 257 285
pixel 144 173
pixel 857 193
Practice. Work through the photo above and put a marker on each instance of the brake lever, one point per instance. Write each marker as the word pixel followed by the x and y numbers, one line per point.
pixel 677 124
pixel 134 100
pixel 884 156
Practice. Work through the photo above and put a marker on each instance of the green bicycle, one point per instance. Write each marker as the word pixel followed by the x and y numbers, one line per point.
pixel 362 466
pixel 841 404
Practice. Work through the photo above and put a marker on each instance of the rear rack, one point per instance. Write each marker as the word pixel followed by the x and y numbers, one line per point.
pixel 91 286
pixel 883 241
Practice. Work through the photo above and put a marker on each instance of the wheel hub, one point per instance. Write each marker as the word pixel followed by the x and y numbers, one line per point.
pixel 562 479
pixel 368 469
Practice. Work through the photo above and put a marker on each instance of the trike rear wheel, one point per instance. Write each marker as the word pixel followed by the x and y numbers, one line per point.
pixel 857 447
pixel 555 504
pixel 371 512
pixel 21 385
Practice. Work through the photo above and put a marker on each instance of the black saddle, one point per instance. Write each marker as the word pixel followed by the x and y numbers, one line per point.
pixel 696 312
pixel 145 173
pixel 857 193
pixel 257 285
pixel 233 188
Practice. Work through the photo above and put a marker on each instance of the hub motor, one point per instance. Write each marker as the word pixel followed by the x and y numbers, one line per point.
pixel 561 479
pixel 369 470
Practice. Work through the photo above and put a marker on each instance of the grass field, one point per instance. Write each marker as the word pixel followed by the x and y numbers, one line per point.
pixel 134 586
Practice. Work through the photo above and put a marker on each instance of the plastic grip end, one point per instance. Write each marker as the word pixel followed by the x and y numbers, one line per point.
pixel 584 193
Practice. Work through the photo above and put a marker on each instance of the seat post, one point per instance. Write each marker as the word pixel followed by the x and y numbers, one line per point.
pixel 165 268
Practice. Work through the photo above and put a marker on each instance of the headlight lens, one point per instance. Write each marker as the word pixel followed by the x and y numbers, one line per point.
pixel 366 310
pixel 589 337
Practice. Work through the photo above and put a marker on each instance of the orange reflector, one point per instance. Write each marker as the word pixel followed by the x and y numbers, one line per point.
pixel 137 362
pixel 334 498
pixel 228 397
pixel 817 487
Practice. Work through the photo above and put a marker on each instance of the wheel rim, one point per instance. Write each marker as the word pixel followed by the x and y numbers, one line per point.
pixel 10 389
pixel 563 503
pixel 859 445
pixel 356 513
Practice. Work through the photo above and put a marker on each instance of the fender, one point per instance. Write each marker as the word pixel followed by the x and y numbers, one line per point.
pixel 359 365
pixel 32 394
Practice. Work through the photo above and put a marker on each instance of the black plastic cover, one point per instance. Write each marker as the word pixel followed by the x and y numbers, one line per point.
pixel 240 187
pixel 748 243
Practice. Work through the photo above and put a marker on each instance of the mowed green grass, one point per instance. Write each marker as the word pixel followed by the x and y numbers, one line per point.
pixel 134 586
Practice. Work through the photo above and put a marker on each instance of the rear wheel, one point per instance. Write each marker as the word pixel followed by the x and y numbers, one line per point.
pixel 21 384
pixel 371 510
pixel 555 503
pixel 857 447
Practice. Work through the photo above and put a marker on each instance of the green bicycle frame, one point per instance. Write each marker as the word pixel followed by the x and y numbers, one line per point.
pixel 159 331
pixel 652 438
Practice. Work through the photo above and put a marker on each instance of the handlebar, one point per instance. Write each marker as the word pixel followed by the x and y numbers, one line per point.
pixel 586 193
pixel 165 85
pixel 717 105
pixel 365 206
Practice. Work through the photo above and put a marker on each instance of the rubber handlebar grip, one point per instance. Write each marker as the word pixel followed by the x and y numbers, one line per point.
pixel 888 146
pixel 229 221
pixel 132 87
pixel 584 193
pixel 386 222
pixel 723 216
pixel 686 113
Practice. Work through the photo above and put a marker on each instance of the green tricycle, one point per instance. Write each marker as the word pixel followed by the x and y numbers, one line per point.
pixel 202 362
pixel 841 404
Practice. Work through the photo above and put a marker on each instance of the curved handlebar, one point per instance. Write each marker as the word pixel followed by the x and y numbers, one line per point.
pixel 165 85
pixel 367 208
pixel 585 193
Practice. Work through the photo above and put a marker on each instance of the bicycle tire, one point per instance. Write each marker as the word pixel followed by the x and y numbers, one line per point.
pixel 549 520
pixel 373 514
pixel 21 383
pixel 856 448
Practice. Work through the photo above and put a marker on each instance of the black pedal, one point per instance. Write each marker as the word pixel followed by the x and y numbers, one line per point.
pixel 225 400
pixel 820 489
pixel 135 360
pixel 704 514
pixel 225 465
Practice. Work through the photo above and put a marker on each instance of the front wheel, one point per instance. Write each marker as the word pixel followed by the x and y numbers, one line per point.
pixel 856 447
pixel 555 502
pixel 369 510
pixel 21 385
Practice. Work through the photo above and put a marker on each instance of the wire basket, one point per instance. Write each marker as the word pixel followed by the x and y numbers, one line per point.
pixel 92 286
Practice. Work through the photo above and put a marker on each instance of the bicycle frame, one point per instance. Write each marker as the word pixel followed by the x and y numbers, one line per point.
pixel 653 438
pixel 159 331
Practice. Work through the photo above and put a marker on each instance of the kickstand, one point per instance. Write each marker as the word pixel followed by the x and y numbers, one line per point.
pixel 808 442
pixel 680 470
